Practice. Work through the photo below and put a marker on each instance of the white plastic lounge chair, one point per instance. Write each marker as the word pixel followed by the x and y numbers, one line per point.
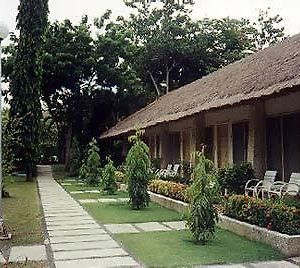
pixel 163 172
pixel 175 170
pixel 281 188
pixel 260 186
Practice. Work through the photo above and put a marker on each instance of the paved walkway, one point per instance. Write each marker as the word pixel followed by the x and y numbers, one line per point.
pixel 75 238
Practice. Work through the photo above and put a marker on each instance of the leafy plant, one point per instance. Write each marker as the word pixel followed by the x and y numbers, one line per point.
pixel 138 172
pixel 264 213
pixel 75 159
pixel 90 169
pixel 109 178
pixel 234 178
pixel 155 164
pixel 169 189
pixel 201 215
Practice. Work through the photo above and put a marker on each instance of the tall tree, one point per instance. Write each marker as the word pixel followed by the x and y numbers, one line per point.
pixel 25 86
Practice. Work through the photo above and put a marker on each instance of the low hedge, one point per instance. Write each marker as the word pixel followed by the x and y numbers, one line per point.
pixel 264 213
pixel 170 189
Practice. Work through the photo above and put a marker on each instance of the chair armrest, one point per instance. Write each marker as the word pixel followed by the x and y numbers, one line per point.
pixel 277 185
pixel 286 188
pixel 250 182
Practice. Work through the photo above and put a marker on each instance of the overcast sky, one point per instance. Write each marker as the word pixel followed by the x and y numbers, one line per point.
pixel 74 9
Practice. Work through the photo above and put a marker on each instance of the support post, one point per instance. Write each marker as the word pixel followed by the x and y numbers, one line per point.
pixel 257 138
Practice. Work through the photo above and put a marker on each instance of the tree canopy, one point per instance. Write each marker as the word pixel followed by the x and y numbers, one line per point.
pixel 94 74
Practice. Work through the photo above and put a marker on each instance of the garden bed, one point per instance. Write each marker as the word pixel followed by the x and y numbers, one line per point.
pixel 287 244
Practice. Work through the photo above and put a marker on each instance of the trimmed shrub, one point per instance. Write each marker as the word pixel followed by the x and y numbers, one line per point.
pixel 169 189
pixel 108 178
pixel 234 178
pixel 201 215
pixel 90 170
pixel 138 172
pixel 264 213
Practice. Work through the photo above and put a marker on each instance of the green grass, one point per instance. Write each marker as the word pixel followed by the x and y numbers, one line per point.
pixel 22 213
pixel 176 248
pixel 118 194
pixel 122 213
pixel 61 176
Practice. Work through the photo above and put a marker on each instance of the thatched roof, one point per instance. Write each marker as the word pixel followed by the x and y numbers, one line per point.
pixel 273 70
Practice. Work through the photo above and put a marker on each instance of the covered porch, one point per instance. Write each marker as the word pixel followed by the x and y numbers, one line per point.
pixel 265 133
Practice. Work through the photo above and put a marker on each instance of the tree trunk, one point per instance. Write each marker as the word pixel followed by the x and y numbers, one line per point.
pixel 68 148
pixel 167 79
pixel 155 84
pixel 29 175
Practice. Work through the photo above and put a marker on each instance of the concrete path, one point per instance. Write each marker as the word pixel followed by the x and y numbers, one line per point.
pixel 75 238
pixel 103 200
pixel 145 227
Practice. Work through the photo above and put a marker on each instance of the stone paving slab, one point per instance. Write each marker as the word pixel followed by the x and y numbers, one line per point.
pixel 73 227
pixel 94 253
pixel 85 245
pixel 32 253
pixel 92 191
pixel 176 225
pixel 74 222
pixel 121 228
pixel 125 199
pixel 66 218
pixel 77 232
pixel 71 214
pixel 107 200
pixel 67 184
pixel 272 264
pixel 61 211
pixel 223 266
pixel 76 192
pixel 101 262
pixel 151 227
pixel 296 260
pixel 79 238
pixel 87 201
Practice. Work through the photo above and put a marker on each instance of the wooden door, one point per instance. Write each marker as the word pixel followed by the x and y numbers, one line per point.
pixel 222 137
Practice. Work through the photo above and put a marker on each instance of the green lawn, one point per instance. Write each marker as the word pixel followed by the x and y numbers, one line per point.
pixel 176 248
pixel 118 194
pixel 122 213
pixel 22 212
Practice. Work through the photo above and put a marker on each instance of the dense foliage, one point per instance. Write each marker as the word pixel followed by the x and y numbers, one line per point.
pixel 91 81
pixel 169 189
pixel 234 178
pixel 264 213
pixel 25 85
pixel 201 215
pixel 108 180
pixel 90 170
pixel 138 172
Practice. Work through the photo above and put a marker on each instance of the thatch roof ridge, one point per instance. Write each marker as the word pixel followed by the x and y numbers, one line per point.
pixel 264 73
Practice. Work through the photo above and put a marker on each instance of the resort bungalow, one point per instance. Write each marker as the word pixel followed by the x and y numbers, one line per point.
pixel 246 111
